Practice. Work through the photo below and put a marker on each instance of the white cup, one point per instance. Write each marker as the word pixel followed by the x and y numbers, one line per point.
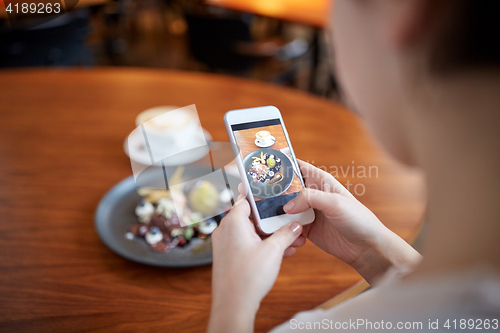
pixel 170 130
pixel 264 138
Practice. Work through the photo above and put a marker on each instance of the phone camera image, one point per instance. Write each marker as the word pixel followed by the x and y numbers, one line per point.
pixel 268 163
pixel 270 172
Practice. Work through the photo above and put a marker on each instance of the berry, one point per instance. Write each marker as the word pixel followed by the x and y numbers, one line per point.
pixel 182 241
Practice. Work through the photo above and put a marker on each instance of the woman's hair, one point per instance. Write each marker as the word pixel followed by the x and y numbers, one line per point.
pixel 471 38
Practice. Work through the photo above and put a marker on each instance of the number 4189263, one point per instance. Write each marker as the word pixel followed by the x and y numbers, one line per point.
pixel 471 324
pixel 34 8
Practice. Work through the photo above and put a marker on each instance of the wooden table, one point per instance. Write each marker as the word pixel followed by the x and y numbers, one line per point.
pixel 311 12
pixel 314 13
pixel 61 150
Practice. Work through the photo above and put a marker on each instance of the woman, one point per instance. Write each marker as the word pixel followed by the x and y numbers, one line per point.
pixel 425 75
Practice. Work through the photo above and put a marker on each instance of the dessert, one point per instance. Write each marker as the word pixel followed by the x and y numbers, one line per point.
pixel 265 168
pixel 160 213
pixel 204 197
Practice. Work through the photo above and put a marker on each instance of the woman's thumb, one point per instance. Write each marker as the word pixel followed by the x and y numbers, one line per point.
pixel 286 235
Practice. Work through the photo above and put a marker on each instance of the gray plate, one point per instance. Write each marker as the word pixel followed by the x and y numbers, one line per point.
pixel 115 214
pixel 260 190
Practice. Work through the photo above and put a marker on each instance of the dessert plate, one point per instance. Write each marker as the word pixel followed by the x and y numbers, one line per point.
pixel 115 214
pixel 265 190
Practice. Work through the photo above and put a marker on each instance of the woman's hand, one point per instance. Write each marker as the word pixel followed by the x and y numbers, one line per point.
pixel 347 229
pixel 245 267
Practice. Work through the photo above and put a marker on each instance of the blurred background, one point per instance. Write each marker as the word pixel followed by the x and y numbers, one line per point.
pixel 278 41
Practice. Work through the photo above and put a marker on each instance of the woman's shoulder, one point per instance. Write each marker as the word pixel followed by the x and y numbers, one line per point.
pixel 440 300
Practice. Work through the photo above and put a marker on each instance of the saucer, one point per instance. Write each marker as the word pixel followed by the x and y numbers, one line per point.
pixel 141 154
pixel 265 146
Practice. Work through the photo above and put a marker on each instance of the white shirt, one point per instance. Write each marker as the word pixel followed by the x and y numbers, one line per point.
pixel 435 304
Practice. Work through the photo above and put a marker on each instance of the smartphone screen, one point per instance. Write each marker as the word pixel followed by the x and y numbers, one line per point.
pixel 269 165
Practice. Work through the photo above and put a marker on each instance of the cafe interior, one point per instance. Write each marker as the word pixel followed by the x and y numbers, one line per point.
pixel 73 89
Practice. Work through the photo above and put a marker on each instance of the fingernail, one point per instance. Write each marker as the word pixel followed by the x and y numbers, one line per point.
pixel 295 226
pixel 289 206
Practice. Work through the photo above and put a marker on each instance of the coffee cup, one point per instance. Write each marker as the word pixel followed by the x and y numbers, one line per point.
pixel 264 138
pixel 170 130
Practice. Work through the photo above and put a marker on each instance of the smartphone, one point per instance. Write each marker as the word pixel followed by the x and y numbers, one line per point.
pixel 267 165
